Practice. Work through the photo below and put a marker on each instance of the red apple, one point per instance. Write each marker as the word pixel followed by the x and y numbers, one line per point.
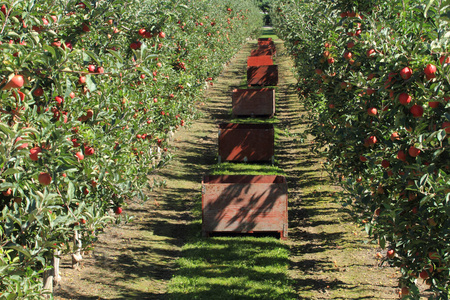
pixel 38 92
pixel 390 253
pixel 406 73
pixel 348 55
pixel 405 291
pixel 34 153
pixel 370 52
pixel 395 136
pixel 413 151
pixel 68 45
pixel 7 193
pixel 44 178
pixel 404 98
pixel 15 83
pixel 350 45
pixel 142 31
pixel 430 71
pixel 82 80
pixel 433 255
pixel 372 111
pixel 85 27
pixel 446 126
pixel 385 163
pixel 424 274
pixel 362 158
pixel 100 70
pixel 444 59
pixel 330 60
pixel 91 68
pixel 401 155
pixel 23 146
pixel 118 210
pixel 59 100
pixel 162 35
pixel 416 110
pixel 89 151
pixel 372 140
pixel 79 155
pixel 433 104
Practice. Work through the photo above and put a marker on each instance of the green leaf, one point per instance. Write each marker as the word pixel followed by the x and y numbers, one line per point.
pixel 94 57
pixel 49 49
pixel 116 55
pixel 427 8
pixel 11 171
pixel 70 191
pixel 423 180
pixel 441 135
pixel 19 249
pixel 90 83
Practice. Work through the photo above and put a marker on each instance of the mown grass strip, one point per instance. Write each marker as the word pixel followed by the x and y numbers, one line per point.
pixel 233 267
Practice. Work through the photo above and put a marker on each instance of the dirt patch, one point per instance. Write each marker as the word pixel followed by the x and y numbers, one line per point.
pixel 328 257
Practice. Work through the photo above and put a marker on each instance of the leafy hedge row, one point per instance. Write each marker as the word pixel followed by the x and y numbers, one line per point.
pixel 91 93
pixel 375 76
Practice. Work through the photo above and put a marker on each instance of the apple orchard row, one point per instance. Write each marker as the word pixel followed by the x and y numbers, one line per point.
pixel 91 93
pixel 375 76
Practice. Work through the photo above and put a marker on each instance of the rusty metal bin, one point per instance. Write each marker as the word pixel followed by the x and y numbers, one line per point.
pixel 246 142
pixel 253 102
pixel 263 60
pixel 262 75
pixel 244 204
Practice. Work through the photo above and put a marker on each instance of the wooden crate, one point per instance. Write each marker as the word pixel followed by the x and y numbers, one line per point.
pixel 246 142
pixel 253 102
pixel 262 52
pixel 244 204
pixel 263 60
pixel 262 76
pixel 266 42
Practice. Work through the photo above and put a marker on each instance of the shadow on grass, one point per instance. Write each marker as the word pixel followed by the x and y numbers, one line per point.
pixel 233 268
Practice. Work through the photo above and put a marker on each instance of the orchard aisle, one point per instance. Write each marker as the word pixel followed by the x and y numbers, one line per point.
pixel 137 261
pixel 328 257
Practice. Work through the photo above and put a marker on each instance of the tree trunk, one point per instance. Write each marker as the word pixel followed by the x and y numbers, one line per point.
pixel 76 256
pixel 52 277
pixel 56 276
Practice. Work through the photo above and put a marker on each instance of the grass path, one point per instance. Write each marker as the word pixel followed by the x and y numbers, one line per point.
pixel 324 257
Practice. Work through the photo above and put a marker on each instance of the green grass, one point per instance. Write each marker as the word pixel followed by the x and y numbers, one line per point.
pixel 227 168
pixel 233 268
pixel 268 32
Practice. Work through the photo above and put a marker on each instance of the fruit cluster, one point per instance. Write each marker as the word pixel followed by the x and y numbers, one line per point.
pixel 91 94
pixel 375 77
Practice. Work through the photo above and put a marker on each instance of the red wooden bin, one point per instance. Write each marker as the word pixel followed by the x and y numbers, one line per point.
pixel 262 52
pixel 253 102
pixel 262 42
pixel 268 39
pixel 262 76
pixel 246 142
pixel 244 204
pixel 263 60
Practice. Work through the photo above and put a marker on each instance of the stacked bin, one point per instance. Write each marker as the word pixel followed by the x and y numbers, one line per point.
pixel 248 203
